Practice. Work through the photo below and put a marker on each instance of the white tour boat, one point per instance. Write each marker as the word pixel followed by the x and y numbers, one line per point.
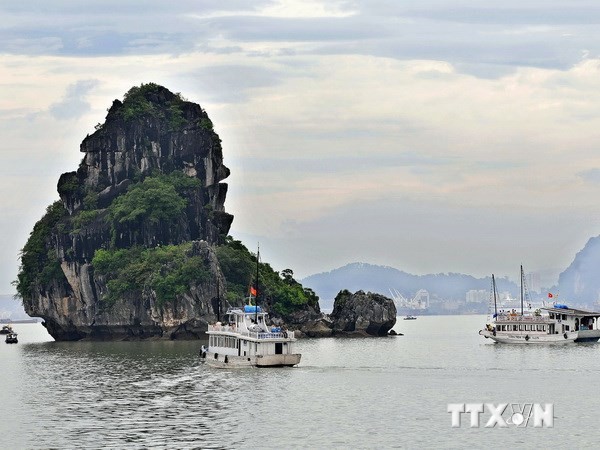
pixel 558 324
pixel 244 339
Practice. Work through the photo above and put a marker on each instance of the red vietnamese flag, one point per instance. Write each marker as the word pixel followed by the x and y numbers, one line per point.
pixel 252 291
pixel 550 295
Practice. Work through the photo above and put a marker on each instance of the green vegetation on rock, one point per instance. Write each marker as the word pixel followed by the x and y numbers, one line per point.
pixel 84 218
pixel 153 200
pixel 156 199
pixel 38 264
pixel 68 183
pixel 284 293
pixel 168 271
pixel 137 104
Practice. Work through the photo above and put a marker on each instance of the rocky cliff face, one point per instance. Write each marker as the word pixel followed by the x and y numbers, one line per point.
pixel 153 133
pixel 362 314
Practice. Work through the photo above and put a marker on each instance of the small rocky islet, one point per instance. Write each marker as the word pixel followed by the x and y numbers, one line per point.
pixel 137 247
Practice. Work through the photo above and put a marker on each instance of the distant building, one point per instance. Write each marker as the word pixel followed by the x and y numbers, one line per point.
pixel 477 296
pixel 419 301
pixel 533 281
pixel 451 306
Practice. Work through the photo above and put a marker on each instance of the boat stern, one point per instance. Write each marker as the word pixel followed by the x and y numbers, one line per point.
pixel 288 360
pixel 588 336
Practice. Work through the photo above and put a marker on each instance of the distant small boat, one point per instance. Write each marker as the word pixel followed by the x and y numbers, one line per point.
pixel 6 329
pixel 11 338
pixel 410 318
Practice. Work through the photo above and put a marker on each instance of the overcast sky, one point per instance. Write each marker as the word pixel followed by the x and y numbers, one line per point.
pixel 431 136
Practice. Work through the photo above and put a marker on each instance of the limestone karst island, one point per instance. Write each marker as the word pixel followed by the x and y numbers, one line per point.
pixel 138 247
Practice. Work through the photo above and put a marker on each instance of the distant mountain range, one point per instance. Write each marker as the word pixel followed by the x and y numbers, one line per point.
pixel 384 280
pixel 579 284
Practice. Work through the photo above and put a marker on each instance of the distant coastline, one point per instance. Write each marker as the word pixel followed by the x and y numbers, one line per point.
pixel 32 320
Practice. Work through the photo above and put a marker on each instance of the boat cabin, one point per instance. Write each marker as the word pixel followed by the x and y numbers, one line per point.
pixel 244 333
pixel 569 319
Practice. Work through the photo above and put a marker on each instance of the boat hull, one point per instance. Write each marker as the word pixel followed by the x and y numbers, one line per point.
pixel 588 336
pixel 221 361
pixel 529 338
pixel 278 360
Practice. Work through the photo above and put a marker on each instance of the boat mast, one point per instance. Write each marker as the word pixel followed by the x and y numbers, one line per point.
pixel 494 289
pixel 256 301
pixel 522 281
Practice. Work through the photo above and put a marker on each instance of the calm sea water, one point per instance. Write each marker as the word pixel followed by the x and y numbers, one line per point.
pixel 361 393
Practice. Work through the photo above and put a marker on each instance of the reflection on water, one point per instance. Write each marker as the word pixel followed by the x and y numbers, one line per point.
pixel 366 393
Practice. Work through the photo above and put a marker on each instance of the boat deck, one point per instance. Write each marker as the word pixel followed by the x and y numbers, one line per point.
pixel 233 331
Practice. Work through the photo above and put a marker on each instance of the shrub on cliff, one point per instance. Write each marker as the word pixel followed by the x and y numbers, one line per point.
pixel 284 294
pixel 153 200
pixel 168 271
pixel 137 104
pixel 39 265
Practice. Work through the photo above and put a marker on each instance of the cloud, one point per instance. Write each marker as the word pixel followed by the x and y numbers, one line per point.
pixel 73 103
pixel 232 83
pixel 477 39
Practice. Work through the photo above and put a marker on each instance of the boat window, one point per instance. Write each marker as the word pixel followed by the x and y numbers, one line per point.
pixel 551 315
pixel 514 328
pixel 520 327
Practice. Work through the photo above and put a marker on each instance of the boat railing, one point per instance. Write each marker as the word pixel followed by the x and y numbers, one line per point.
pixel 275 335
pixel 519 318
pixel 252 334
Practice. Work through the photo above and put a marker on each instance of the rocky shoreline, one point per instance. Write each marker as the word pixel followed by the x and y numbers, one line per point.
pixel 354 315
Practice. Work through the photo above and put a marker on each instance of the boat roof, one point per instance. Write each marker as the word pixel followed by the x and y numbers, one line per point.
pixel 571 311
pixel 243 312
